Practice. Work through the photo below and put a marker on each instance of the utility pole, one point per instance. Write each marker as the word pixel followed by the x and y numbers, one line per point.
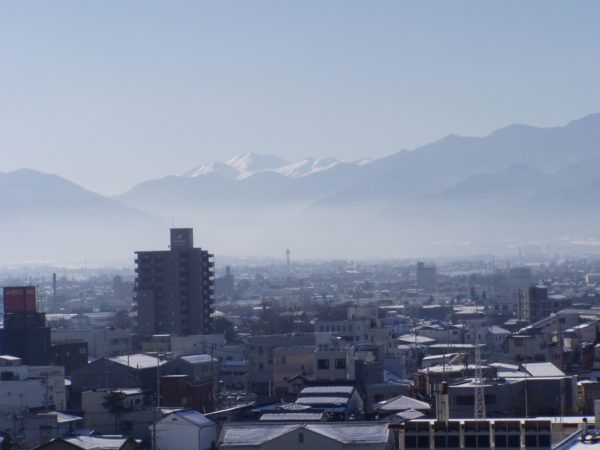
pixel 157 408
pixel 479 392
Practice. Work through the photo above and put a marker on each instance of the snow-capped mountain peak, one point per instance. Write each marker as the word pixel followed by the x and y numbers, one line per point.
pixel 249 164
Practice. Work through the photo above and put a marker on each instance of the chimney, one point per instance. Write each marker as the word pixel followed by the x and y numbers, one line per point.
pixel 584 428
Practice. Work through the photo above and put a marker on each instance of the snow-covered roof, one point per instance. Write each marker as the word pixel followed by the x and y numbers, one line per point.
pixel 499 365
pixel 137 361
pixel 318 390
pixel 193 417
pixel 62 417
pixel 410 414
pixel 444 356
pixel 323 400
pixel 343 432
pixel 253 434
pixel 198 359
pixel 411 339
pixel 401 403
pixel 292 417
pixel 96 443
pixel 375 433
pixel 543 369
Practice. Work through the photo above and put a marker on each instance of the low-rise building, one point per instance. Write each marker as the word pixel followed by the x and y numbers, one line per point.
pixel 185 430
pixel 316 436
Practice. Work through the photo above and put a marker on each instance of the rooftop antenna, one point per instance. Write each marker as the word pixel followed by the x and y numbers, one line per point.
pixel 479 393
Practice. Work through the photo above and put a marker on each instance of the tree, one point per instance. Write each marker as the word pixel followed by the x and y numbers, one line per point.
pixel 223 326
pixel 114 402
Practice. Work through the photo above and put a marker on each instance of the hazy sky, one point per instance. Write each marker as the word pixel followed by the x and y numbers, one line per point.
pixel 110 93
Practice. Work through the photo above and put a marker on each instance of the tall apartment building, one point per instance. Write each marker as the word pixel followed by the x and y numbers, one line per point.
pixel 426 277
pixel 175 288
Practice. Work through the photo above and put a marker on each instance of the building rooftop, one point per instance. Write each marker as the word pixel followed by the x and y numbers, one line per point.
pixel 343 432
pixel 322 400
pixel 193 417
pixel 320 390
pixel 96 442
pixel 138 361
pixel 543 369
pixel 402 403
pixel 198 359
pixel 292 417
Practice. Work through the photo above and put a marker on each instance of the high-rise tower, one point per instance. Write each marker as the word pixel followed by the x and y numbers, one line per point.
pixel 174 289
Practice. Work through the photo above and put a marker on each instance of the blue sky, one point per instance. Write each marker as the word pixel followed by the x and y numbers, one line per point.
pixel 110 93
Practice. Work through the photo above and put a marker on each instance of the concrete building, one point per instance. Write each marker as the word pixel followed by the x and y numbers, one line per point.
pixel 24 388
pixel 198 367
pixel 175 288
pixel 528 348
pixel 259 350
pixel 99 418
pixel 101 342
pixel 535 304
pixel 128 371
pixel 520 277
pixel 339 401
pixel 42 427
pixel 312 364
pixel 185 345
pixel 352 331
pixel 514 433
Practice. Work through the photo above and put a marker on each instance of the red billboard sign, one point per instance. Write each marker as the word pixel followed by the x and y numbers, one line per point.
pixel 19 299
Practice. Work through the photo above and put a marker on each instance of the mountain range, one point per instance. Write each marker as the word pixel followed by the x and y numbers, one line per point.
pixel 519 185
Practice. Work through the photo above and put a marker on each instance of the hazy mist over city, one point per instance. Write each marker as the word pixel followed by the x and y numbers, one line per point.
pixel 339 130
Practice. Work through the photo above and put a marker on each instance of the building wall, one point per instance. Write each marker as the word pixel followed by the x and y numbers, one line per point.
pixel 340 365
pixel 527 349
pixel 259 350
pixel 102 343
pixel 500 399
pixel 97 417
pixel 353 331
pixel 289 362
pixel 53 382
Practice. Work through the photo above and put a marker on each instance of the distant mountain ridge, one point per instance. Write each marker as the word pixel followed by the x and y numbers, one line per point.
pixel 45 217
pixel 458 195
pixel 249 164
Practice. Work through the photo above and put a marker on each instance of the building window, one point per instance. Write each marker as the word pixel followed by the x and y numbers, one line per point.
pixel 340 363
pixel 323 364
pixel 301 437
pixel 281 360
